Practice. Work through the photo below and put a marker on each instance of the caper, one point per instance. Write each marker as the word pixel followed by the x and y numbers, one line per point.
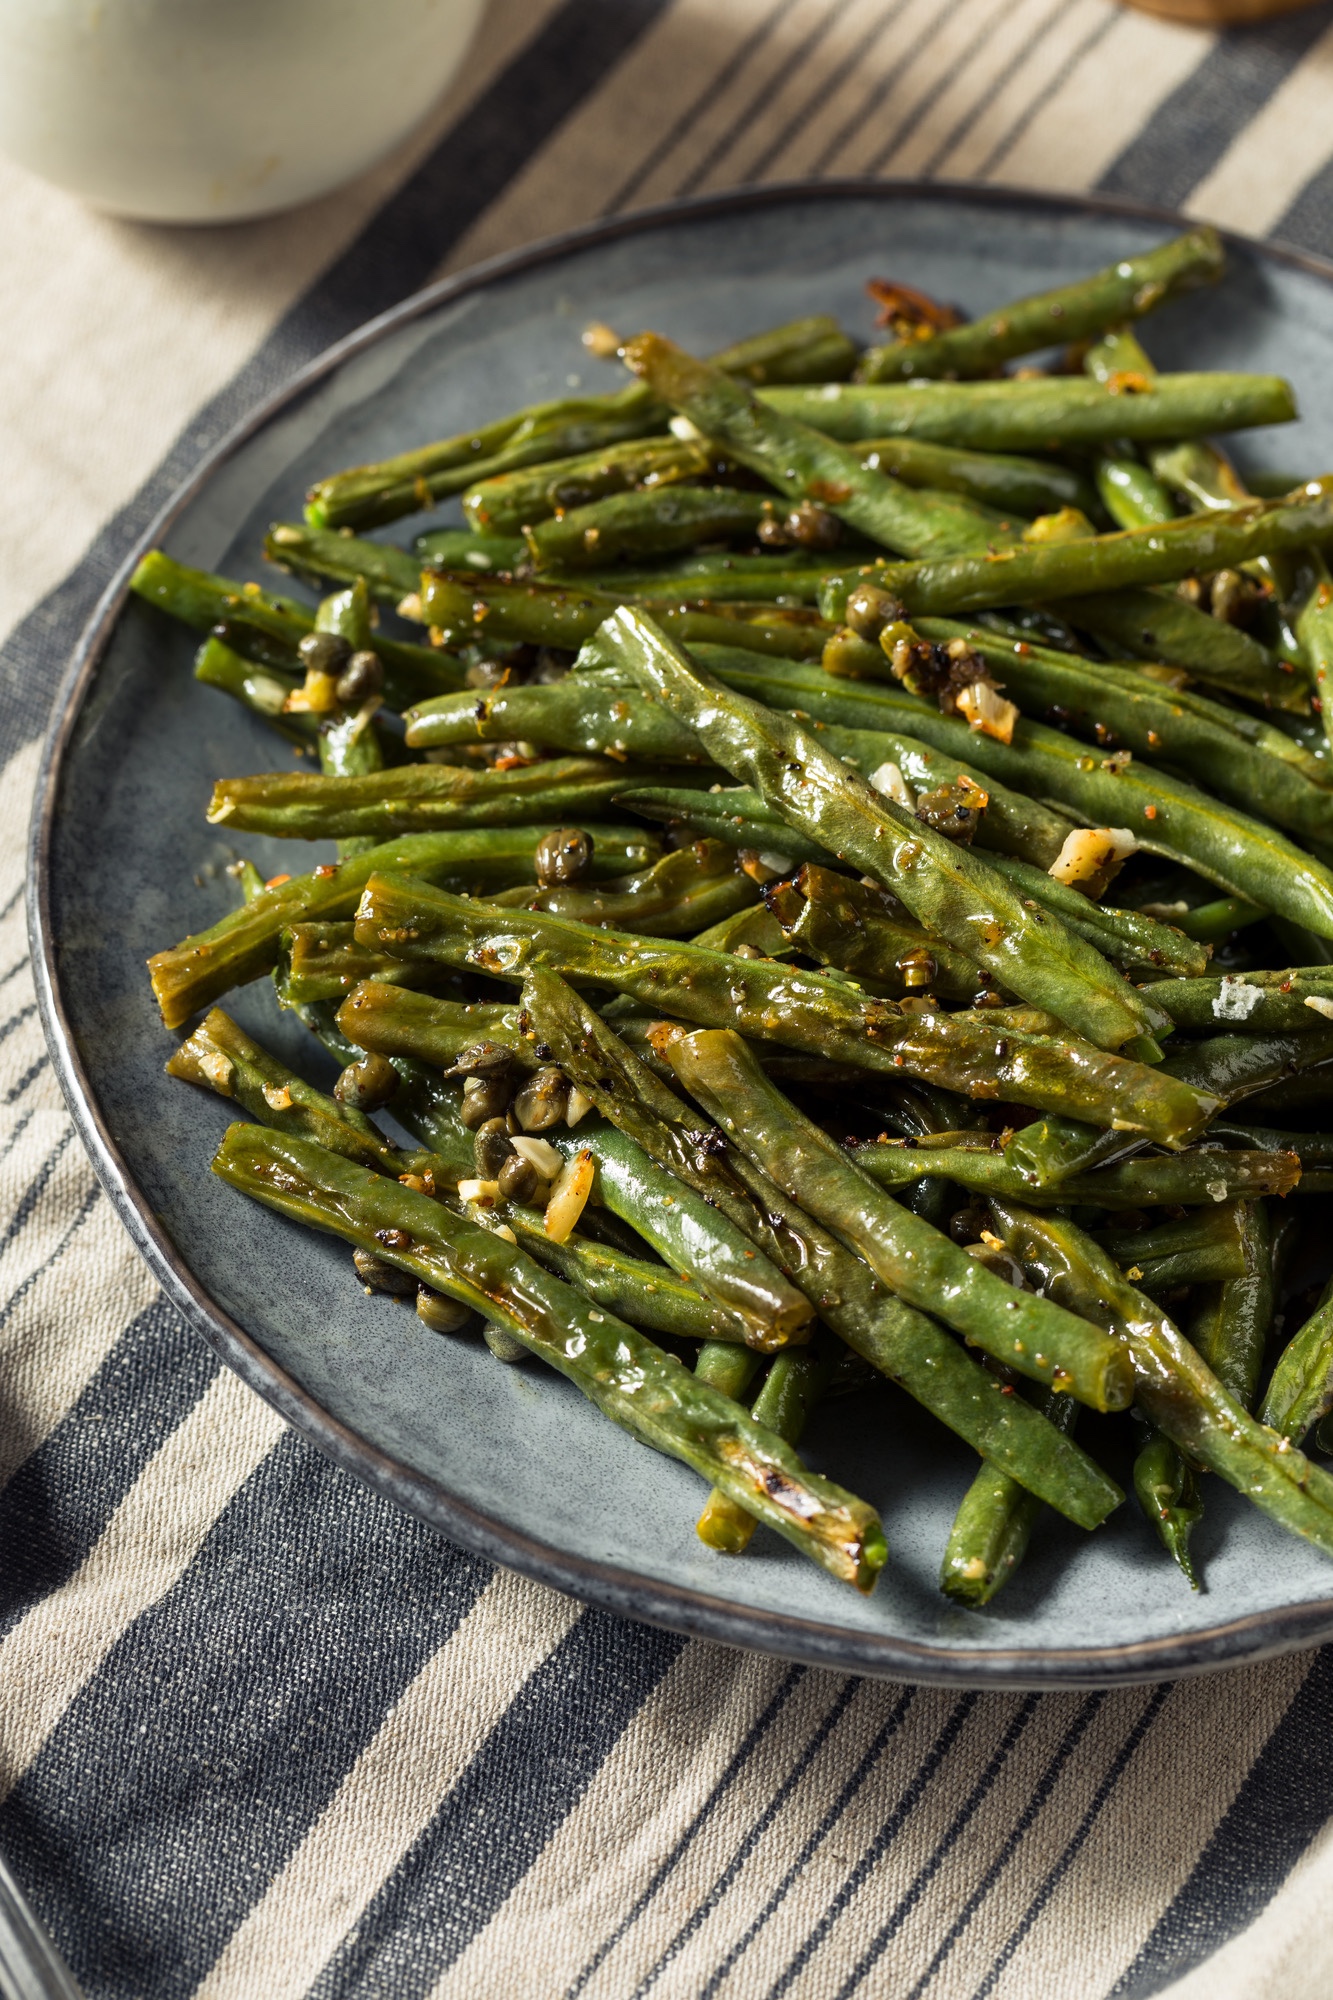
pixel 517 1178
pixel 967 1224
pixel 362 677
pixel 542 1100
pixel 325 652
pixel 484 1097
pixel 502 1344
pixel 491 1148
pixel 382 1277
pixel 870 609
pixel 441 1314
pixel 563 855
pixel 366 1084
pixel 812 527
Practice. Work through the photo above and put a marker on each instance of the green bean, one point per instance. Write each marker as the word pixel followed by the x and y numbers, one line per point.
pixel 416 798
pixel 1124 290
pixel 1128 939
pixel 349 743
pixel 674 896
pixel 1168 1492
pixel 513 501
pixel 459 548
pixel 738 815
pixel 244 944
pixel 991 1530
pixel 267 630
pixel 659 521
pixel 1131 495
pixel 918 1263
pixel 621 1371
pixel 392 1021
pixel 1257 1003
pixel 579 713
pixel 1211 923
pixel 812 349
pixel 795 1383
pixel 1175 1179
pixel 1058 413
pixel 1043 571
pixel 647 1295
pixel 324 962
pixel 943 886
pixel 1214 745
pixel 320 554
pixel 1234 1067
pixel 1165 814
pixel 222 1058
pixel 1300 1393
pixel 843 923
pixel 1233 1318
pixel 1200 1249
pixel 1176 1390
pixel 754 927
pixel 899 1341
pixel 1313 1150
pixel 1158 625
pixel 260 689
pixel 805 465
pixel 1010 485
pixel 541 614
pixel 810 1012
pixel 719 576
pixel 1314 631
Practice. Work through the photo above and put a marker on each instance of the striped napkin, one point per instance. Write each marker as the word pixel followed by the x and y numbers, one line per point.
pixel 260 1736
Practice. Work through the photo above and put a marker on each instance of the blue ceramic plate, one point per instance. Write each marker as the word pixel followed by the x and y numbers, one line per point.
pixel 511 1462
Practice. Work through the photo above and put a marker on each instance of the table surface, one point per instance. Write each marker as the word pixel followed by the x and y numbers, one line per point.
pixel 262 1735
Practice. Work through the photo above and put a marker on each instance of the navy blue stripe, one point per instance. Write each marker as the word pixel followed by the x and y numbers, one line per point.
pixel 874 1854
pixel 758 1830
pixel 35 1189
pixel 84 1210
pixel 14 970
pixel 1206 113
pixel 1074 1846
pixel 1281 1806
pixel 522 1784
pixel 399 250
pixel 708 97
pixel 16 1020
pixel 30 1074
pixel 192 1765
pixel 13 902
pixel 825 88
pixel 887 1730
pixel 1041 1791
pixel 60 1499
pixel 926 1874
pixel 737 1763
pixel 796 57
pixel 1308 223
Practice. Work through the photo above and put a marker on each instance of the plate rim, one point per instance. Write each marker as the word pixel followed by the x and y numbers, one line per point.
pixel 607 1585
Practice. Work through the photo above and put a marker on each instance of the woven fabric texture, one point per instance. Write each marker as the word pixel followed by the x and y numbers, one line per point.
pixel 259 1734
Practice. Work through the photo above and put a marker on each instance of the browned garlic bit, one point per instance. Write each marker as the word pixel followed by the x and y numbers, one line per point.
pixel 1092 857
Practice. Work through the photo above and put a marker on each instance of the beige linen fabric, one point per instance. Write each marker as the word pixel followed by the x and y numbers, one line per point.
pixel 752 1824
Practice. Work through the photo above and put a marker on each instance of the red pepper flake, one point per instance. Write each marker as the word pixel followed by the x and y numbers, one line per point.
pixel 276 881
pixel 324 870
pixel 1150 812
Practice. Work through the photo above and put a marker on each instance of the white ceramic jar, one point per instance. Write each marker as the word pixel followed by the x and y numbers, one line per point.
pixel 207 110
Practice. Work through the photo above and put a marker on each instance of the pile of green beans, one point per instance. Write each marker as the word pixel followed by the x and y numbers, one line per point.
pixel 828 869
